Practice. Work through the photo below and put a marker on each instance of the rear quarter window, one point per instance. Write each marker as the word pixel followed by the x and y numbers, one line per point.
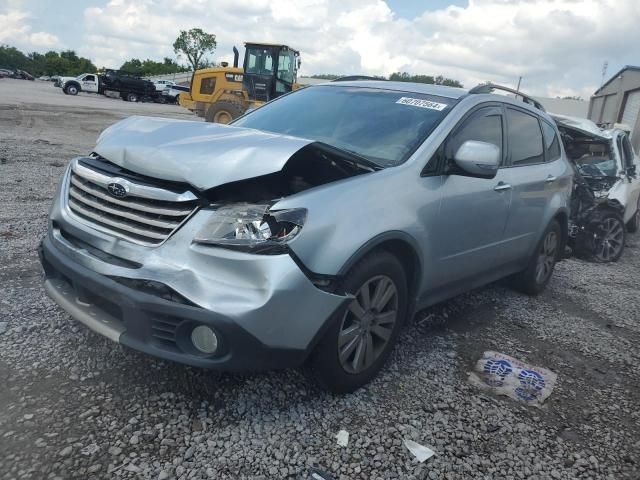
pixel 551 142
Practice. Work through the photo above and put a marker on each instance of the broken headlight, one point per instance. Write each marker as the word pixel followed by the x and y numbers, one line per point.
pixel 251 228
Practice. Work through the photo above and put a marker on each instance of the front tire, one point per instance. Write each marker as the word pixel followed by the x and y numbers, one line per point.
pixel 71 90
pixel 360 338
pixel 603 238
pixel 534 279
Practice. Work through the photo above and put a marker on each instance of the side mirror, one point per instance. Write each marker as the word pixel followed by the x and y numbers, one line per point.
pixel 478 159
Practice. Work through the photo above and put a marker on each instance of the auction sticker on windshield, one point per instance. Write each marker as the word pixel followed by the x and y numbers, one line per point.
pixel 418 102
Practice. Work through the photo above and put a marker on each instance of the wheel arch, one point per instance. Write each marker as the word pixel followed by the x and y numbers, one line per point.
pixel 70 83
pixel 562 217
pixel 401 245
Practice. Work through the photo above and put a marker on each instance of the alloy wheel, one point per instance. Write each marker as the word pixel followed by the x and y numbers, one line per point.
pixel 547 257
pixel 610 241
pixel 368 324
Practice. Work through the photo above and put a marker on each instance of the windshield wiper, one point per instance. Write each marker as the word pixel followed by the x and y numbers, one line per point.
pixel 352 156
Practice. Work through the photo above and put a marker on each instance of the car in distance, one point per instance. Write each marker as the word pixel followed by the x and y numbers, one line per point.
pixel 162 84
pixel 309 230
pixel 171 93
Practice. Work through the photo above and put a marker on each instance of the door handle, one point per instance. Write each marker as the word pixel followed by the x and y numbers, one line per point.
pixel 550 179
pixel 502 186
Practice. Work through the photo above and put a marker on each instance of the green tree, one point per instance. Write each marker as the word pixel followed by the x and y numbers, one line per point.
pixel 194 44
pixel 11 57
pixel 439 80
pixel 132 66
pixel 51 63
pixel 326 76
pixel 150 67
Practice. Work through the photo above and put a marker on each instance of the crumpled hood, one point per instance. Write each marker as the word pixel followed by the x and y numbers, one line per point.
pixel 202 154
pixel 581 125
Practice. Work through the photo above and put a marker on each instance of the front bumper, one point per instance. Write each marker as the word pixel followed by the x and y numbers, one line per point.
pixel 157 326
pixel 265 311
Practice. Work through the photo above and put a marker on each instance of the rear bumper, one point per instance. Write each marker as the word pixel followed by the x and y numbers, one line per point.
pixel 160 327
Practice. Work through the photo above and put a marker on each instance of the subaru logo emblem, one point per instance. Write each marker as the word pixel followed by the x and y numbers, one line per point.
pixel 117 190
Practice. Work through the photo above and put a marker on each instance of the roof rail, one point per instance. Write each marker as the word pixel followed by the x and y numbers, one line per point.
pixel 490 87
pixel 352 78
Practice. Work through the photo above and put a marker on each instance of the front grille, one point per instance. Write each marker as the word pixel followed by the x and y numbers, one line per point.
pixel 147 215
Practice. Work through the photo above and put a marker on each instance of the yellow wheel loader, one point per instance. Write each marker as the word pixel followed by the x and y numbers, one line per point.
pixel 221 94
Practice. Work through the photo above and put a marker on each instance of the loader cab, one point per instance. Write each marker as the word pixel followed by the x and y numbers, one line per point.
pixel 269 70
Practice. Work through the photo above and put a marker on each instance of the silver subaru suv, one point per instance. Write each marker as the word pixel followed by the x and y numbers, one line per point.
pixel 311 229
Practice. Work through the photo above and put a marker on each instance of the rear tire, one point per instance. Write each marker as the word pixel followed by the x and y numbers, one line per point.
pixel 132 97
pixel 534 279
pixel 224 111
pixel 361 337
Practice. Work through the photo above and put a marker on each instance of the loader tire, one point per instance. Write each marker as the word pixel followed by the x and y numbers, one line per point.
pixel 224 111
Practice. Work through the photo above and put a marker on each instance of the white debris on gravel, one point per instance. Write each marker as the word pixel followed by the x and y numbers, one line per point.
pixel 193 424
pixel 342 438
pixel 421 452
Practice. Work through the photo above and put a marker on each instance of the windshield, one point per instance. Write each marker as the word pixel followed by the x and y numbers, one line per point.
pixel 383 126
pixel 593 159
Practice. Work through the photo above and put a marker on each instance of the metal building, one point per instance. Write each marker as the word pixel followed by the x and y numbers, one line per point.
pixel 618 101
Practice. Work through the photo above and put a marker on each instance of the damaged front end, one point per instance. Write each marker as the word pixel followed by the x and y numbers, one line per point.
pixel 172 226
pixel 596 226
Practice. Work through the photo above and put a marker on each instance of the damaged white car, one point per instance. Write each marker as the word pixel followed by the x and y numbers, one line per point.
pixel 607 171
pixel 309 230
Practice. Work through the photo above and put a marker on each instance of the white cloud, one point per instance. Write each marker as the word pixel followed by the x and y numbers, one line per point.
pixel 13 26
pixel 43 40
pixel 16 31
pixel 558 46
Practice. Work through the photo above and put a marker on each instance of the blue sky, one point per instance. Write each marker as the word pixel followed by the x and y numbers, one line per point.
pixel 413 8
pixel 558 46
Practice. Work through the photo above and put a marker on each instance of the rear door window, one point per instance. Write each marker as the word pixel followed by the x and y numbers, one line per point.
pixel 525 138
pixel 551 142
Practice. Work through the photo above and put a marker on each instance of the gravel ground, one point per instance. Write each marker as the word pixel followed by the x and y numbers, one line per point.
pixel 74 405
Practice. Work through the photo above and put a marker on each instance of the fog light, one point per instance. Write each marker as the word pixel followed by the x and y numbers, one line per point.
pixel 204 339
